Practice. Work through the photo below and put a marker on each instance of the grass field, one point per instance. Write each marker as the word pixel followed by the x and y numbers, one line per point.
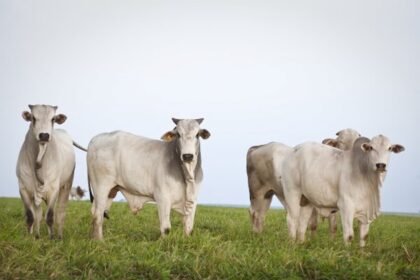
pixel 221 247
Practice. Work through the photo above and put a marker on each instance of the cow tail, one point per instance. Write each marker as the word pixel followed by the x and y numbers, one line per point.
pixel 90 190
pixel 80 147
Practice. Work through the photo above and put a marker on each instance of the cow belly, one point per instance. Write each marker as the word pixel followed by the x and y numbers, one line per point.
pixel 321 194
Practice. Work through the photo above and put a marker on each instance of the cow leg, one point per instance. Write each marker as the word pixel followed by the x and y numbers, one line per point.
pixel 347 215
pixel 305 214
pixel 98 214
pixel 28 205
pixel 189 220
pixel 63 198
pixel 364 230
pixel 49 217
pixel 164 210
pixel 293 211
pixel 38 219
pixel 313 222
pixel 332 222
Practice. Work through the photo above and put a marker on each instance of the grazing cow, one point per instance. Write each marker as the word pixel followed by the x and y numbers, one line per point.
pixel 77 193
pixel 45 168
pixel 264 172
pixel 167 172
pixel 329 179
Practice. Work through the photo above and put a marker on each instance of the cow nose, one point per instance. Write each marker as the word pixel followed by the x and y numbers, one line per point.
pixel 187 157
pixel 380 166
pixel 44 136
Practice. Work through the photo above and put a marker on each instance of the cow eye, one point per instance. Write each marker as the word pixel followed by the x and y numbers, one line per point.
pixel 33 120
pixel 53 120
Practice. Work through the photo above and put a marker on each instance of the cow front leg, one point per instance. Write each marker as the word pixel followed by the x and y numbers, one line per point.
pixel 29 209
pixel 364 230
pixel 347 215
pixel 164 211
pixel 190 197
pixel 37 220
pixel 189 220
pixel 49 216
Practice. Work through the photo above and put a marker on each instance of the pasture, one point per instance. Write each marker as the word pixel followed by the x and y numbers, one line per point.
pixel 222 247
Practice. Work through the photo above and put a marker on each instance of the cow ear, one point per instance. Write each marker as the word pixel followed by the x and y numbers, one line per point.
pixel 330 142
pixel 27 116
pixel 204 133
pixel 169 136
pixel 200 120
pixel 397 148
pixel 175 120
pixel 60 118
pixel 366 147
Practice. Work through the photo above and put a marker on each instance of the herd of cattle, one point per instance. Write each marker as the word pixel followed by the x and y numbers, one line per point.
pixel 312 179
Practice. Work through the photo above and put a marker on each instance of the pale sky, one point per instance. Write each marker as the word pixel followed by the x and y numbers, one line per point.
pixel 257 71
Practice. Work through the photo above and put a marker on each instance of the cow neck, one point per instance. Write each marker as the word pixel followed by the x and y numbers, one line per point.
pixel 362 171
pixel 39 151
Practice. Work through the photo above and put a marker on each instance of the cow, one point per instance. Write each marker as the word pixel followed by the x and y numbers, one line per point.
pixel 45 168
pixel 264 173
pixel 329 179
pixel 168 172
pixel 77 193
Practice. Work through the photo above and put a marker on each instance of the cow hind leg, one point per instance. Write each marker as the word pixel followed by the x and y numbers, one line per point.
pixel 306 213
pixel 332 222
pixel 99 208
pixel 63 198
pixel 313 222
pixel 293 211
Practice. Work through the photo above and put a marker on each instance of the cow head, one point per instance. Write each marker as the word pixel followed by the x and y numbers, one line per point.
pixel 42 119
pixel 378 151
pixel 186 134
pixel 260 203
pixel 345 139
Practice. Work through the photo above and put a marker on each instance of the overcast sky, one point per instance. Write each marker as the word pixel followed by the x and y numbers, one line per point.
pixel 257 71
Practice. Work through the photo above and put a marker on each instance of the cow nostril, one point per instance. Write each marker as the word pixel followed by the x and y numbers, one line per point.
pixel 380 165
pixel 44 136
pixel 187 157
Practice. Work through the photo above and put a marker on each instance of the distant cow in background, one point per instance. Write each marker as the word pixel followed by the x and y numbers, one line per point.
pixel 329 179
pixel 167 172
pixel 264 171
pixel 77 193
pixel 45 168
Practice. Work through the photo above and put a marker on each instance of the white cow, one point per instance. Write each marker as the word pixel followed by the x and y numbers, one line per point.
pixel 264 173
pixel 167 172
pixel 45 168
pixel 330 179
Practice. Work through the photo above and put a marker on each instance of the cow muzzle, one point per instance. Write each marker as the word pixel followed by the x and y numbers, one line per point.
pixel 381 167
pixel 44 137
pixel 187 158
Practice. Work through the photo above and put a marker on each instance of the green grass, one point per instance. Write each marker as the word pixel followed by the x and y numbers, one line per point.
pixel 221 247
